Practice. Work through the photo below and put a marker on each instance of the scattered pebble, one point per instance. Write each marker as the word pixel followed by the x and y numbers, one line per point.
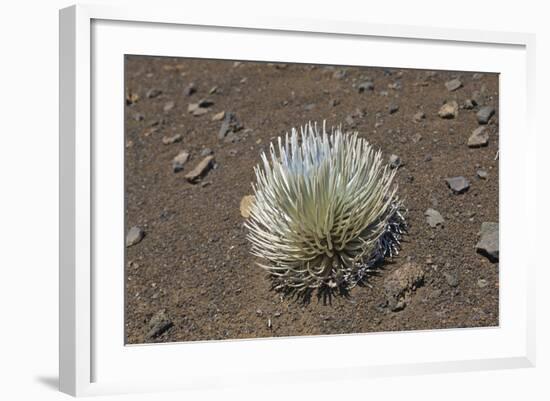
pixel 134 236
pixel 458 184
pixel 200 170
pixel 365 86
pixel 218 116
pixel 190 89
pixel 484 114
pixel 417 137
pixel 206 152
pixel 334 102
pixel 168 140
pixel 449 110
pixel 138 117
pixel 199 111
pixel 229 124
pixel 168 106
pixel 179 161
pixel 419 116
pixel 482 174
pixel 434 218
pixel 451 278
pixel 395 161
pixel 482 283
pixel 393 108
pixel 309 107
pixel 453 84
pixel 152 93
pixel 131 98
pixel 159 323
pixel 395 85
pixel 246 204
pixel 399 285
pixel 478 138
pixel 488 244
pixel 469 104
pixel 339 74
pixel 213 90
pixel 205 103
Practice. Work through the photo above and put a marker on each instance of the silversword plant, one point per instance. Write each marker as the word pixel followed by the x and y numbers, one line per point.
pixel 325 211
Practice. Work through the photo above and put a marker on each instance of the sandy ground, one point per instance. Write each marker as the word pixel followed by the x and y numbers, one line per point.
pixel 191 277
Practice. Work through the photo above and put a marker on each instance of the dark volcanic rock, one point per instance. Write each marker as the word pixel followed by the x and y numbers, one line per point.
pixel 458 184
pixel 206 103
pixel 488 244
pixel 484 114
pixel 229 124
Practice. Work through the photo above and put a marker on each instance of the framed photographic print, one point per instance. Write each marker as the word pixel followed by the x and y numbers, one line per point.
pixel 261 199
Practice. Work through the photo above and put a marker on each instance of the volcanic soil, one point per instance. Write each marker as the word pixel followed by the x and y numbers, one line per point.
pixel 191 276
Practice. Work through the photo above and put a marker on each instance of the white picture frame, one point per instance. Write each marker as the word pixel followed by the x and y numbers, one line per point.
pixel 93 357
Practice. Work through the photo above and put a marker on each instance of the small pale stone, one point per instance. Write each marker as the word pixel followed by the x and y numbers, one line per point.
pixel 152 93
pixel 200 169
pixel 179 161
pixel 168 106
pixel 478 138
pixel 246 204
pixel 218 116
pixel 470 104
pixel 168 140
pixel 481 283
pixel 192 107
pixel 434 218
pixel 488 243
pixel 134 236
pixel 395 161
pixel 449 110
pixel 419 116
pixel 365 86
pixel 199 111
pixel 453 84
pixel 482 174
